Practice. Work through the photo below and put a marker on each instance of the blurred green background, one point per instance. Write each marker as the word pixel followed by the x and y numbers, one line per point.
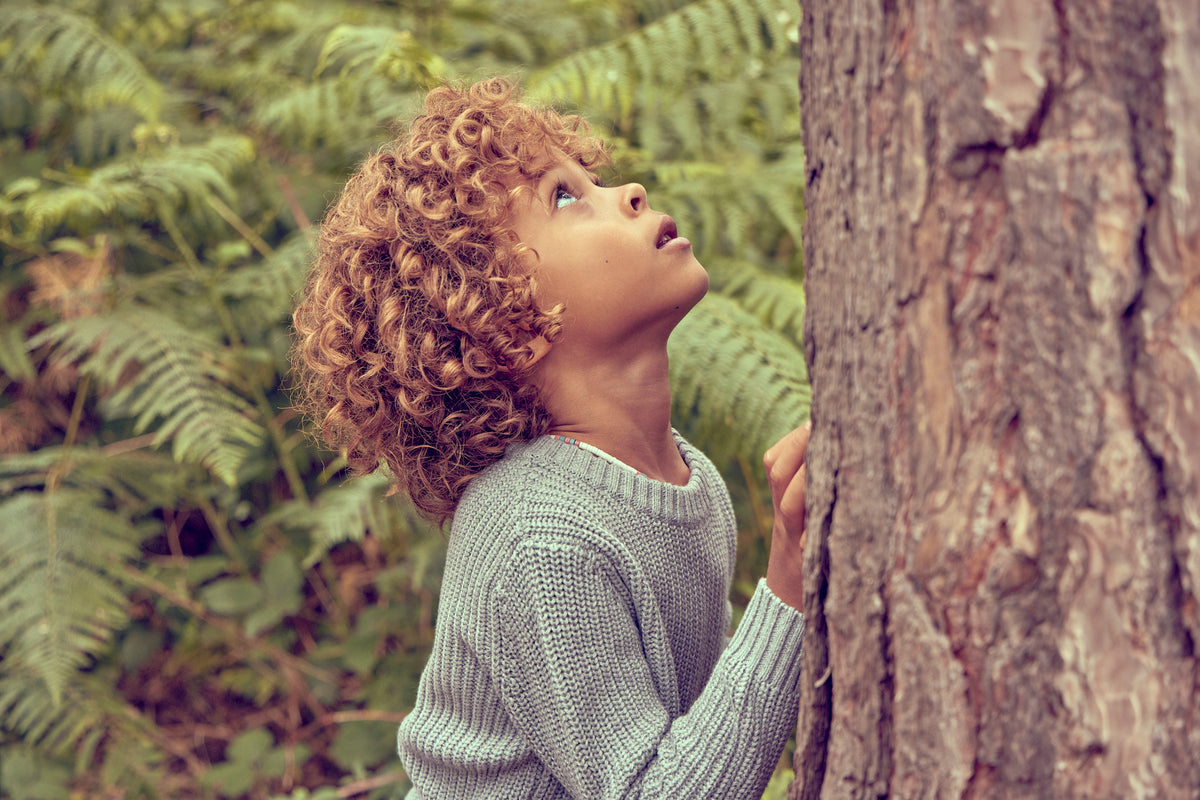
pixel 195 599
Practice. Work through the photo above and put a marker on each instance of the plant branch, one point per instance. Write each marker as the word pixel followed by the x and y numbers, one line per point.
pixel 228 628
pixel 367 784
pixel 239 225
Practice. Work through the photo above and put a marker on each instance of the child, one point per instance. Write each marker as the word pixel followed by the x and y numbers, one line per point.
pixel 492 322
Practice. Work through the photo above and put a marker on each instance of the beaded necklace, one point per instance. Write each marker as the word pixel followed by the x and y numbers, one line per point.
pixel 598 453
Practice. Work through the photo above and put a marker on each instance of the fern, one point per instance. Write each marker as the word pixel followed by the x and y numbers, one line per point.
pixel 15 363
pixel 708 40
pixel 62 52
pixel 750 381
pixel 102 134
pixel 737 207
pixel 273 283
pixel 128 121
pixel 86 718
pixel 344 513
pixel 133 188
pixel 175 379
pixel 316 114
pixel 394 54
pixel 136 481
pixel 59 596
pixel 776 300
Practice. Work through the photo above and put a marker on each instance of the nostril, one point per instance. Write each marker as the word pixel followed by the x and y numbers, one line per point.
pixel 637 198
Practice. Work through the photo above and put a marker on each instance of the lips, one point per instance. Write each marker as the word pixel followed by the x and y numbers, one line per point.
pixel 666 232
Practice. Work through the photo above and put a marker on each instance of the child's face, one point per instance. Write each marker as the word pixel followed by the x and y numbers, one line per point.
pixel 620 268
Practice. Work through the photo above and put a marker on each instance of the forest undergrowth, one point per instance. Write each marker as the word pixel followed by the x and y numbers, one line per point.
pixel 196 599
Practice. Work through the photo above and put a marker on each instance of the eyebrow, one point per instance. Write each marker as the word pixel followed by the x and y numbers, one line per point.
pixel 551 178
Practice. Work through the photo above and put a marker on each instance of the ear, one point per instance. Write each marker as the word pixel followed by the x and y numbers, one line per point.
pixel 540 347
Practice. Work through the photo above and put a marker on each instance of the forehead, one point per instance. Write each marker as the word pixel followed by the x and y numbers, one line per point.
pixel 544 160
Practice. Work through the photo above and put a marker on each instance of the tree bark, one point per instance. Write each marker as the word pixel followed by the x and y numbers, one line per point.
pixel 1003 276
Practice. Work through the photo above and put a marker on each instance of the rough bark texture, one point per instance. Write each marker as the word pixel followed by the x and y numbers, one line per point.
pixel 1003 253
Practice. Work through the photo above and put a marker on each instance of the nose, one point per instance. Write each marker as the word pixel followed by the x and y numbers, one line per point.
pixel 635 198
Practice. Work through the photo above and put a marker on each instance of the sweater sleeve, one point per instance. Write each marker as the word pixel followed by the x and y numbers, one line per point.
pixel 573 675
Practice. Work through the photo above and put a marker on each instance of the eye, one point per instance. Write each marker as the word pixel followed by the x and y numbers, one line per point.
pixel 563 196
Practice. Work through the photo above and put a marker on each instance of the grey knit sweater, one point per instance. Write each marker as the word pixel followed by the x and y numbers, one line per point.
pixel 580 648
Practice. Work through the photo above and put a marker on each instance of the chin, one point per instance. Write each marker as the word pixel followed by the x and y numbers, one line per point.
pixel 701 289
pixel 689 301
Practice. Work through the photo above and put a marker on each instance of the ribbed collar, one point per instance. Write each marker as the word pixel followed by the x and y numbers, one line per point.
pixel 681 504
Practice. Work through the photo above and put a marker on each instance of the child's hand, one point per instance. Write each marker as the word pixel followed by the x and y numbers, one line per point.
pixel 785 472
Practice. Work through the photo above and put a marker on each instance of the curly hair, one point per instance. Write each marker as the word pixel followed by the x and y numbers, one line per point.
pixel 413 333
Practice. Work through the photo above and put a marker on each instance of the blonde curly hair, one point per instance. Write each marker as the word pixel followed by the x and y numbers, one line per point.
pixel 413 333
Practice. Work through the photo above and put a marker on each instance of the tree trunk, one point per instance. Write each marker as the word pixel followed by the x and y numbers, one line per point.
pixel 1003 276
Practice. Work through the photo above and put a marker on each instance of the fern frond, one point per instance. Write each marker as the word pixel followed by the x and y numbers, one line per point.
pixel 176 379
pixel 347 114
pixel 15 363
pixel 58 51
pixel 743 384
pixel 274 282
pixel 136 481
pixel 739 206
pixel 88 714
pixel 776 300
pixel 102 134
pixel 705 40
pixel 343 513
pixel 59 598
pixel 135 187
pixel 393 53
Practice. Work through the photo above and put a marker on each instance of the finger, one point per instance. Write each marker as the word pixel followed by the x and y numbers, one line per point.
pixel 772 455
pixel 791 504
pixel 785 457
pixel 788 440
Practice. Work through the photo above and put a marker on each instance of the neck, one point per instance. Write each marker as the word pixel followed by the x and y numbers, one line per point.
pixel 620 405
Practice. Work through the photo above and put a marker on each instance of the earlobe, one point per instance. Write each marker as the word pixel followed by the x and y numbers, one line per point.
pixel 539 347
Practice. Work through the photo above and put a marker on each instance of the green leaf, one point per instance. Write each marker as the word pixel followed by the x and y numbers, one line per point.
pixel 251 746
pixel 26 776
pixel 281 584
pixel 232 596
pixel 361 746
pixel 343 513
pixel 282 581
pixel 14 358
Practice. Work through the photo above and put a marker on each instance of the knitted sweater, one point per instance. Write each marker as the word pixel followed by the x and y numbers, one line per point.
pixel 580 649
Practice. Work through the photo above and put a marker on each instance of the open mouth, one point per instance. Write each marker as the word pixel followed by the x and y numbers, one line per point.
pixel 666 232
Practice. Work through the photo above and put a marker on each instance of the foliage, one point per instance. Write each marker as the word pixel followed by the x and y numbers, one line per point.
pixel 195 602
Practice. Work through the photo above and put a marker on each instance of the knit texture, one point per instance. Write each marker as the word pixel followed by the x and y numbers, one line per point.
pixel 580 649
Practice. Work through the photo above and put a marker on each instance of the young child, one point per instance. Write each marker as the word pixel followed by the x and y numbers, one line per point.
pixel 492 322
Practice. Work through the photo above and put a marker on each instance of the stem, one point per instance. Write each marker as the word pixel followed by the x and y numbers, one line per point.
pixel 167 217
pixel 293 202
pixel 363 715
pixel 129 445
pixel 219 525
pixel 239 225
pixel 761 525
pixel 295 482
pixel 235 633
pixel 76 414
pixel 367 784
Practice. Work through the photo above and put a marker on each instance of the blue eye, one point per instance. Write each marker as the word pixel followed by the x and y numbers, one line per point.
pixel 563 196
